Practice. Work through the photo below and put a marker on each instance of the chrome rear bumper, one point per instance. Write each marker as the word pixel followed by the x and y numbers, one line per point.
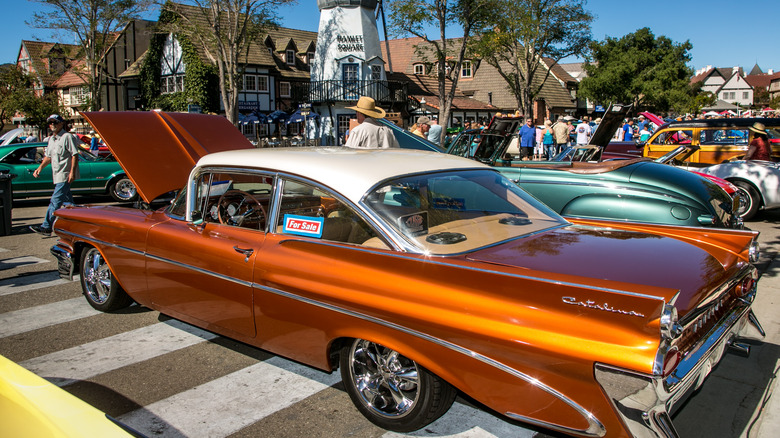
pixel 645 402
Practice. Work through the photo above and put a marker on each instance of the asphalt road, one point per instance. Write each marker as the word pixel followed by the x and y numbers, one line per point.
pixel 167 378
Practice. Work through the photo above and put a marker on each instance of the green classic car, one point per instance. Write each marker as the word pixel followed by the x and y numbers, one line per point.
pixel 633 190
pixel 96 175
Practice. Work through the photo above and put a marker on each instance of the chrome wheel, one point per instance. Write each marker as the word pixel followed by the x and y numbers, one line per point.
pixel 96 277
pixel 386 381
pixel 100 287
pixel 123 190
pixel 749 200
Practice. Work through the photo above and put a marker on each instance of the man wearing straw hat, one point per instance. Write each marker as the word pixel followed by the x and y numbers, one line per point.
pixel 369 133
pixel 759 148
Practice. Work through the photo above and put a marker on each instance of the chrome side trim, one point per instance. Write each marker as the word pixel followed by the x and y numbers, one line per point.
pixel 596 428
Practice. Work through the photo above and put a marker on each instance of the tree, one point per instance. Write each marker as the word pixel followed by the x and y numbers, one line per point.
pixel 224 30
pixel 413 17
pixel 94 23
pixel 525 32
pixel 652 73
pixel 17 96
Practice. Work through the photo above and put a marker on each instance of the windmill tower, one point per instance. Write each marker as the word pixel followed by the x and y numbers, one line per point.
pixel 348 62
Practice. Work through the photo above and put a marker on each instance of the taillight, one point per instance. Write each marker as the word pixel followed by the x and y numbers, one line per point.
pixel 745 286
pixel 671 360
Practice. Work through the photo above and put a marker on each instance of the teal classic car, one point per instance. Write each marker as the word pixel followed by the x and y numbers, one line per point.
pixel 97 175
pixel 633 190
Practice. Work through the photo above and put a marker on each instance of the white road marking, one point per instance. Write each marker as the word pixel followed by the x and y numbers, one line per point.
pixel 21 261
pixel 230 403
pixel 25 320
pixel 463 421
pixel 108 354
pixel 23 283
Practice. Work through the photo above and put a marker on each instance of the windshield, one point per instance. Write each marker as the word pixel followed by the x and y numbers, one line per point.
pixel 456 212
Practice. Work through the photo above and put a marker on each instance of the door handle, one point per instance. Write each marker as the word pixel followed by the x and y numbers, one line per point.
pixel 245 251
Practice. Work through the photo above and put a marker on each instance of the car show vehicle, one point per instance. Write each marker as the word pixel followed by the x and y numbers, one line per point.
pixel 30 406
pixel 417 275
pixel 97 175
pixel 717 140
pixel 757 182
pixel 634 190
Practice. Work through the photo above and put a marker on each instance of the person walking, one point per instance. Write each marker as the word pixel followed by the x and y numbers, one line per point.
pixel 62 152
pixel 369 133
pixel 583 132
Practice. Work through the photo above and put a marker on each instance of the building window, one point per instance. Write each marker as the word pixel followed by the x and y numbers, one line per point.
pixel 284 89
pixel 745 95
pixel 78 95
pixel 310 57
pixel 419 69
pixel 376 72
pixel 465 69
pixel 262 84
pixel 289 56
pixel 250 83
pixel 172 84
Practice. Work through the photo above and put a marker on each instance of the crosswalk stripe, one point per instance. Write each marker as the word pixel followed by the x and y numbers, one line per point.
pixel 107 354
pixel 21 261
pixel 230 403
pixel 23 283
pixel 463 421
pixel 46 315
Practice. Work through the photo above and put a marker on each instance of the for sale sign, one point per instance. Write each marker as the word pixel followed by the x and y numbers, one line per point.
pixel 303 225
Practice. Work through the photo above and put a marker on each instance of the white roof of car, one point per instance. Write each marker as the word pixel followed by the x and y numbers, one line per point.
pixel 351 172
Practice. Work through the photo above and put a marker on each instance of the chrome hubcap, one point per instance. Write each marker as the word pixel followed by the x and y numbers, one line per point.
pixel 96 277
pixel 125 189
pixel 386 381
pixel 745 201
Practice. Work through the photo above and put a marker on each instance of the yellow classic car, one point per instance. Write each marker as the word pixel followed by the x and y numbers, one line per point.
pixel 718 140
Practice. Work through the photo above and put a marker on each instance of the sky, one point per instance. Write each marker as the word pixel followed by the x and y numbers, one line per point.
pixel 723 33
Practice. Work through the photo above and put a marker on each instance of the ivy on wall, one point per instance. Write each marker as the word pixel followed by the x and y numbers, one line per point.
pixel 201 80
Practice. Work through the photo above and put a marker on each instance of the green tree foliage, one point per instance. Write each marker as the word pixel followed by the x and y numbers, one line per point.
pixel 415 17
pixel 223 31
pixel 17 96
pixel 94 23
pixel 649 72
pixel 526 31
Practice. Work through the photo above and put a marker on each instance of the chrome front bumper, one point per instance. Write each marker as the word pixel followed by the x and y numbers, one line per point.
pixel 65 265
pixel 645 402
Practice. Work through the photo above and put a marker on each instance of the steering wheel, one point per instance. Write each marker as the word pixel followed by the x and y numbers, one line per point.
pixel 240 209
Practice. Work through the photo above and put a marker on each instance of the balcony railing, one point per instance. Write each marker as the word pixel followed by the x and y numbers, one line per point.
pixel 345 91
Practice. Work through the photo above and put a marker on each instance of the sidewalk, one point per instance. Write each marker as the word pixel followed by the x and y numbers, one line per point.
pixel 767 414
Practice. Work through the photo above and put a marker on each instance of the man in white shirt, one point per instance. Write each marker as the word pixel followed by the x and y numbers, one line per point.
pixel 583 132
pixel 369 133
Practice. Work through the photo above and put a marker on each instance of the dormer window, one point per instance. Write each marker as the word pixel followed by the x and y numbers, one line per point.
pixel 465 69
pixel 419 69
pixel 376 72
pixel 289 57
pixel 310 57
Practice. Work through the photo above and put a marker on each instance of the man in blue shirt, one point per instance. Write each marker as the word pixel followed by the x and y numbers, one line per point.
pixel 527 135
pixel 628 130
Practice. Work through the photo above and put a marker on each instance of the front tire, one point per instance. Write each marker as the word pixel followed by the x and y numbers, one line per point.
pixel 123 190
pixel 391 390
pixel 750 200
pixel 100 287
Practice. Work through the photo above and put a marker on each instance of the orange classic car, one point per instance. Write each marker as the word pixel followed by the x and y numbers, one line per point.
pixel 417 275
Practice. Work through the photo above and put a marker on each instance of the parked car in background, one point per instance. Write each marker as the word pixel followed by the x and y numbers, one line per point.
pixel 635 190
pixel 757 182
pixel 97 176
pixel 417 274
pixel 717 140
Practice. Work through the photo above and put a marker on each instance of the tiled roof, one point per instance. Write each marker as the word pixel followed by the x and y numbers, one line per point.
pixel 41 52
pixel 761 80
pixel 71 77
pixel 424 86
pixel 260 55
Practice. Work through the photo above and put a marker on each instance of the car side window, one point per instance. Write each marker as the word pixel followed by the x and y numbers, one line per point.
pixel 30 155
pixel 724 137
pixel 674 137
pixel 235 199
pixel 306 210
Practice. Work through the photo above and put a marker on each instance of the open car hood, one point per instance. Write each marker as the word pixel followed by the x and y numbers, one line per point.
pixel 610 122
pixel 158 150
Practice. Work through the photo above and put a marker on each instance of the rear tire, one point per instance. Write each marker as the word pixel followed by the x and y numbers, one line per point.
pixel 391 390
pixel 123 190
pixel 750 200
pixel 100 287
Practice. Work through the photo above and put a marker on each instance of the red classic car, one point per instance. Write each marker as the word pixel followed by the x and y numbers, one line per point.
pixel 417 274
